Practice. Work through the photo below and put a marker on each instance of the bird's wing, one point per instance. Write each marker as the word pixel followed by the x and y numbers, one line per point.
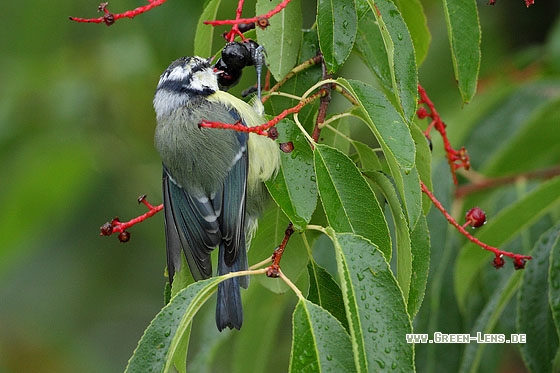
pixel 232 217
pixel 191 226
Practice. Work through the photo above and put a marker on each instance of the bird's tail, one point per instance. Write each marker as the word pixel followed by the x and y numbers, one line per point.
pixel 229 310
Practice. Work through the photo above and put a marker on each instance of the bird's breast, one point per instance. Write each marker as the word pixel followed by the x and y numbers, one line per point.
pixel 196 157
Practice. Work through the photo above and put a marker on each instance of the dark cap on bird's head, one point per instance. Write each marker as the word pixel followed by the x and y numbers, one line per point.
pixel 185 78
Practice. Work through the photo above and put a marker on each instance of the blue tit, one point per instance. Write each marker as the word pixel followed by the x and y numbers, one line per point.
pixel 212 178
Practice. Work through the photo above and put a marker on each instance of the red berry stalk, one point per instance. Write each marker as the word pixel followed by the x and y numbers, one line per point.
pixel 265 128
pixel 110 18
pixel 116 226
pixel 456 158
pixel 528 3
pixel 476 215
pixel 261 21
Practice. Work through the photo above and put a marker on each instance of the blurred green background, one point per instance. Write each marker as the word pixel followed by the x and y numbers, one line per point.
pixel 76 133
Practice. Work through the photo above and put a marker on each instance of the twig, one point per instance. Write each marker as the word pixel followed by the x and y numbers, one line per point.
pixel 110 18
pixel 116 226
pixel 518 259
pixel 456 158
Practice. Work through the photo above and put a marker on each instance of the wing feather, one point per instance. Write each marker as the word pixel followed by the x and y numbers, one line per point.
pixel 191 227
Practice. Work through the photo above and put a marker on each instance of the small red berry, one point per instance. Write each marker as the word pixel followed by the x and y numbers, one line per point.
pixel 476 217
pixel 287 147
pixel 498 261
pixel 262 22
pixel 273 271
pixel 272 133
pixel 124 236
pixel 106 229
pixel 519 263
pixel 109 19
pixel 422 112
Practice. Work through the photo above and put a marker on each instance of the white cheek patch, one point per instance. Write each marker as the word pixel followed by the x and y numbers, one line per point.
pixel 204 79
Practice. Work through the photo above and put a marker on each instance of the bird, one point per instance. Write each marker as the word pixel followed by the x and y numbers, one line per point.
pixel 212 178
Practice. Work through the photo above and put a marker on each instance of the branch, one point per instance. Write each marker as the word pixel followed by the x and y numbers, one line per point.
pixel 110 18
pixel 116 226
pixel 498 262
pixel 263 129
pixel 261 21
pixel 465 190
pixel 456 158
pixel 528 3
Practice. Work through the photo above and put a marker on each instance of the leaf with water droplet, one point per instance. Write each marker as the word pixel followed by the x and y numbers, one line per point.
pixel 319 342
pixel 348 201
pixel 533 304
pixel 282 38
pixel 400 54
pixel 294 189
pixel 336 26
pixel 166 338
pixel 378 324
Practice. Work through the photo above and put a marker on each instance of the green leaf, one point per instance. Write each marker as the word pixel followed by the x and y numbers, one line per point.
pixel 534 317
pixel 374 306
pixel 413 13
pixel 204 34
pixel 387 125
pixel 423 163
pixel 554 292
pixel 420 242
pixel 265 313
pixel 369 161
pixel 294 188
pixel 544 149
pixel 400 54
pixel 519 110
pixel 488 319
pixel 320 343
pixel 552 49
pixel 170 329
pixel 463 30
pixel 341 137
pixel 395 139
pixel 337 26
pixel 439 312
pixel 324 292
pixel 371 49
pixel 182 278
pixel 500 230
pixel 282 38
pixel 402 235
pixel 348 201
pixel 300 82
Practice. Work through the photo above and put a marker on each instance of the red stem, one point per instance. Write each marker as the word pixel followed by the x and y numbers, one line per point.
pixel 116 226
pixel 274 269
pixel 110 18
pixel 518 258
pixel 230 36
pixel 120 227
pixel 261 130
pixel 456 158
